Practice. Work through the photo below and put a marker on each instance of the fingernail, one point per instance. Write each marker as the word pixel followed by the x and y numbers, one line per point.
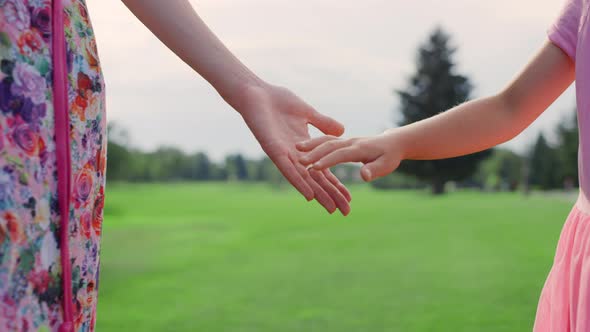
pixel 304 160
pixel 302 145
pixel 317 166
pixel 367 174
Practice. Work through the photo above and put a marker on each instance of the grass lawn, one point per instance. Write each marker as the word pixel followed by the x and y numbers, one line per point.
pixel 229 257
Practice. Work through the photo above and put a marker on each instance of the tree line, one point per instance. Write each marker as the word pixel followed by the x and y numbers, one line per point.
pixel 126 163
pixel 434 86
pixel 544 166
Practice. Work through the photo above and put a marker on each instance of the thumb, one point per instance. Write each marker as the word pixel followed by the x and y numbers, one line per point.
pixel 326 124
pixel 377 168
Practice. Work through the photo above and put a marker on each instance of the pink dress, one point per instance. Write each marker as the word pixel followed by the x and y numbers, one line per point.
pixel 564 304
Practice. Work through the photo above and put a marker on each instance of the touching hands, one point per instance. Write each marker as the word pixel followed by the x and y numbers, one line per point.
pixel 380 154
pixel 279 119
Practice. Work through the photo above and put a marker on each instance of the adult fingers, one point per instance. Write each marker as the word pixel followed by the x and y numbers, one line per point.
pixel 335 181
pixel 319 193
pixel 330 188
pixel 326 124
pixel 312 143
pixel 290 172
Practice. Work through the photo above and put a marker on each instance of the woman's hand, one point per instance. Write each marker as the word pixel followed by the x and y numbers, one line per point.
pixel 279 119
pixel 380 154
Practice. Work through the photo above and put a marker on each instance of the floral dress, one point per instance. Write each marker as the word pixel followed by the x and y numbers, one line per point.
pixel 32 294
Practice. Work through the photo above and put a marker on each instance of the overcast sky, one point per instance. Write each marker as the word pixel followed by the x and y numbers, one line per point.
pixel 343 57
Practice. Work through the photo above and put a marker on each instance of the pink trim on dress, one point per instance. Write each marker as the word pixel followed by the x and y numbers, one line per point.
pixel 62 129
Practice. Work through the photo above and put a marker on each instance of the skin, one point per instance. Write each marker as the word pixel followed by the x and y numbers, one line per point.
pixel 277 118
pixel 471 127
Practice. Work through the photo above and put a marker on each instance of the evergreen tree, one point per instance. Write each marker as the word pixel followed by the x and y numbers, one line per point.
pixel 435 87
pixel 567 152
pixel 236 167
pixel 119 157
pixel 201 167
pixel 501 171
pixel 544 165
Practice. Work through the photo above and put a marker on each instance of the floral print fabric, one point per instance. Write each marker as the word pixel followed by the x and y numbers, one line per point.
pixel 30 269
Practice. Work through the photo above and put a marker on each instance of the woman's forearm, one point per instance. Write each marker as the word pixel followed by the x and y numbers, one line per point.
pixel 481 124
pixel 277 118
pixel 179 27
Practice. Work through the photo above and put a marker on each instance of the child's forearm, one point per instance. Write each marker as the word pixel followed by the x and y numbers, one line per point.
pixel 178 26
pixel 468 128
pixel 471 127
pixel 483 123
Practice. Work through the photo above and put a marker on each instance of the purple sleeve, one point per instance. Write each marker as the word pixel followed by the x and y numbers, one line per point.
pixel 564 32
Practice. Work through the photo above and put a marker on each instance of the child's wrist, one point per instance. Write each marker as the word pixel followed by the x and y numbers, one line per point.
pixel 395 143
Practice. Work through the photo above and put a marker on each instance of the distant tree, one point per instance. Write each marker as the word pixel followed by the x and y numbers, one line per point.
pixel 544 165
pixel 264 170
pixel 201 167
pixel 267 171
pixel 218 172
pixel 510 170
pixel 170 163
pixel 119 165
pixel 567 149
pixel 435 87
pixel 119 160
pixel 236 167
pixel 397 180
pixel 501 171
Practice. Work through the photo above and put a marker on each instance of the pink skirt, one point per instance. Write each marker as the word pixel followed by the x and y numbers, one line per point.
pixel 564 305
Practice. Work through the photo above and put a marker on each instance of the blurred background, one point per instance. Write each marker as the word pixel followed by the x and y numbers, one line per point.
pixel 202 233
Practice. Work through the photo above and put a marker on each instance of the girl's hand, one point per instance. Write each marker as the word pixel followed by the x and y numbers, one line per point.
pixel 380 154
pixel 279 119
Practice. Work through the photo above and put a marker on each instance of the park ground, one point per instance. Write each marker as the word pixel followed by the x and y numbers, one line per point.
pixel 234 257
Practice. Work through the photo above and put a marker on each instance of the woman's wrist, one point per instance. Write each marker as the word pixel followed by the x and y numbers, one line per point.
pixel 242 90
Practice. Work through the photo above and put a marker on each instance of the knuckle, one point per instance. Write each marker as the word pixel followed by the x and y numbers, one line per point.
pixel 314 173
pixel 352 141
pixel 354 150
pixel 304 175
pixel 362 145
pixel 330 145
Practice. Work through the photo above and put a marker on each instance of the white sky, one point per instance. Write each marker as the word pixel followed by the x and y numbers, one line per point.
pixel 343 57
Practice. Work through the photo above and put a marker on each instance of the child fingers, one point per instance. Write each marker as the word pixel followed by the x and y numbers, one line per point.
pixel 311 144
pixel 323 150
pixel 290 172
pixel 332 190
pixel 377 168
pixel 339 156
pixel 332 178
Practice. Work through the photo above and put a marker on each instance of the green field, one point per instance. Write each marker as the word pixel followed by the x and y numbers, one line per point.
pixel 229 257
